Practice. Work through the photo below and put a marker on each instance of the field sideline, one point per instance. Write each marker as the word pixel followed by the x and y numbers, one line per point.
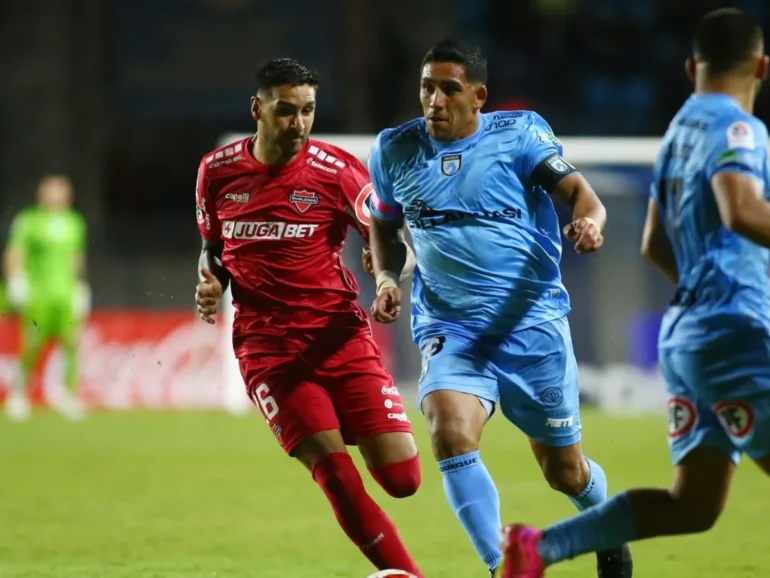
pixel 212 496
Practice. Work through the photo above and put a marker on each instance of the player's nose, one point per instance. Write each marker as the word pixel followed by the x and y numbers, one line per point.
pixel 298 124
pixel 438 100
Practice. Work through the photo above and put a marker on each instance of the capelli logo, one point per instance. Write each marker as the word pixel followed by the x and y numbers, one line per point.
pixel 237 197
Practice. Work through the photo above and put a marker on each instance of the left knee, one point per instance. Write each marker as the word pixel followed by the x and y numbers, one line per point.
pixel 399 479
pixel 568 476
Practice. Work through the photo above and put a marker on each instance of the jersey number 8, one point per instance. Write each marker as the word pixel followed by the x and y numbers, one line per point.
pixel 671 191
pixel 266 401
pixel 432 347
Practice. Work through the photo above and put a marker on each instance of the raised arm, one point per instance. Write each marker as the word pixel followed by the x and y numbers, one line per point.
pixel 546 168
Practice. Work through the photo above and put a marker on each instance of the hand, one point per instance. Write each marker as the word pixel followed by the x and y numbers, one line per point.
pixel 387 305
pixel 585 234
pixel 207 296
pixel 17 290
pixel 366 258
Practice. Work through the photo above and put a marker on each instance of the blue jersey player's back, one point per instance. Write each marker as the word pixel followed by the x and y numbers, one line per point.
pixel 487 238
pixel 723 276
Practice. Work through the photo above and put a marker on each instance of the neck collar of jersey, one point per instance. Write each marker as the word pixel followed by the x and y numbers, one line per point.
pixel 716 97
pixel 454 145
pixel 291 165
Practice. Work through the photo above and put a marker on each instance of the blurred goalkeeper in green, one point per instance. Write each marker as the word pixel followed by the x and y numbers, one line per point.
pixel 44 268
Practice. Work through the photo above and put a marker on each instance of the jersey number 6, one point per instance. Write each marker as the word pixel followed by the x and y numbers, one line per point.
pixel 266 401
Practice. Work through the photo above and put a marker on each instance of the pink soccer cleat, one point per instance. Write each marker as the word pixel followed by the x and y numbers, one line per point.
pixel 520 556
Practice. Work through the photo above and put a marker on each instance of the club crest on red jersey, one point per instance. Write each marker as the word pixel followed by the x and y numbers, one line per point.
pixel 363 214
pixel 303 200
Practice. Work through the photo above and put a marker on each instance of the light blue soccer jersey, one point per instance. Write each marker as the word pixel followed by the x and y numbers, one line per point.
pixel 723 277
pixel 487 238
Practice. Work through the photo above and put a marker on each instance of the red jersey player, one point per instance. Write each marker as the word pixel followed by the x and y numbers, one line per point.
pixel 273 211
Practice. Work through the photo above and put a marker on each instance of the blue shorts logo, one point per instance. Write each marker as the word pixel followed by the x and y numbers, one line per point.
pixel 551 397
pixel 450 164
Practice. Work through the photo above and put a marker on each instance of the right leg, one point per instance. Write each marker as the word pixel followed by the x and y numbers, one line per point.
pixel 705 459
pixel 692 504
pixel 32 341
pixel 457 395
pixel 303 419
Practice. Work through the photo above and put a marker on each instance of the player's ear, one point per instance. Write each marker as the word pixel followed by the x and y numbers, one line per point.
pixel 763 67
pixel 480 96
pixel 255 108
pixel 689 67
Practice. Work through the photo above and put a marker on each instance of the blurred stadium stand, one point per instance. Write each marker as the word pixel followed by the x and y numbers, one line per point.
pixel 127 96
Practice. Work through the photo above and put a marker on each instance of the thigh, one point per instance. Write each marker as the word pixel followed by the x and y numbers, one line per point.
pixel 381 450
pixel 37 322
pixel 539 391
pixel 66 326
pixel 451 363
pixel 294 407
pixel 362 391
pixel 692 423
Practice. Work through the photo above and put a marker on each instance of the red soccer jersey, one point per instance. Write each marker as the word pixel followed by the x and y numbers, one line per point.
pixel 283 231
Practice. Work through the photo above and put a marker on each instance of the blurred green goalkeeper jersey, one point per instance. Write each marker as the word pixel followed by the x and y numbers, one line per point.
pixel 50 242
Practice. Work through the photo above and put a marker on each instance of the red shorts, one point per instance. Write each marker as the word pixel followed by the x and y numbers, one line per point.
pixel 334 382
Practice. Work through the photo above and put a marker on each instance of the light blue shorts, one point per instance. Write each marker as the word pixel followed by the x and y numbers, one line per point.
pixel 532 372
pixel 719 396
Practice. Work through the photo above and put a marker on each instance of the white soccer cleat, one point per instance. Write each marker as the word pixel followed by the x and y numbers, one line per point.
pixel 71 408
pixel 392 574
pixel 17 407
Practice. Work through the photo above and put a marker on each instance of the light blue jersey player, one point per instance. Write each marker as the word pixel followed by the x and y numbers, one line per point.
pixel 708 230
pixel 489 308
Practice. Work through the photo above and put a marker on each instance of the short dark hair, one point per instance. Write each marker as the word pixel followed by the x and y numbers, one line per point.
pixel 725 39
pixel 284 71
pixel 469 55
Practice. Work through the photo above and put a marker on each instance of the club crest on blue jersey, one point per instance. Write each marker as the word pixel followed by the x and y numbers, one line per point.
pixel 558 164
pixel 451 164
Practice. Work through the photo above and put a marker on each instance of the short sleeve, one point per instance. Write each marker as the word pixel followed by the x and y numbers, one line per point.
pixel 382 204
pixel 356 189
pixel 206 212
pixel 739 148
pixel 538 145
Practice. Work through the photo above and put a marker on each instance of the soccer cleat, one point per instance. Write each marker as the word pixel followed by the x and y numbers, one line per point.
pixel 17 407
pixel 615 563
pixel 520 556
pixel 71 408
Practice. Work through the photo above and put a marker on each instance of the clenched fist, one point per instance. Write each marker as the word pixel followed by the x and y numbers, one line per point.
pixel 387 305
pixel 208 294
pixel 585 234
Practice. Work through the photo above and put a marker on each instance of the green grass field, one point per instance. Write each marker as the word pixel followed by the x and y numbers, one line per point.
pixel 205 496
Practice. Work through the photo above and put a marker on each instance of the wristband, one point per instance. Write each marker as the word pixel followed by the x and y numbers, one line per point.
pixel 386 280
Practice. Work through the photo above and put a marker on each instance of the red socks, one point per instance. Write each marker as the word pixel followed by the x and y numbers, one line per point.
pixel 367 526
